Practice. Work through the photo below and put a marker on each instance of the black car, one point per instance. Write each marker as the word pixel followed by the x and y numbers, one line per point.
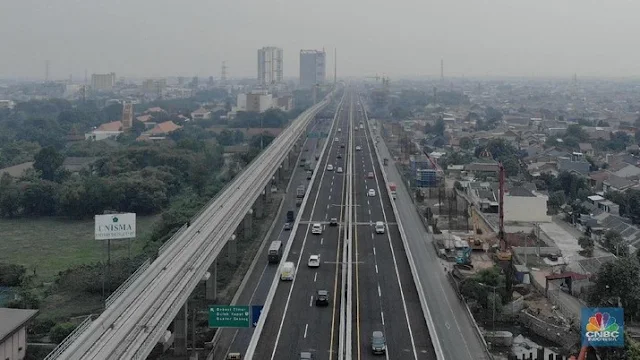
pixel 341 146
pixel 322 298
pixel 339 156
pixel 333 222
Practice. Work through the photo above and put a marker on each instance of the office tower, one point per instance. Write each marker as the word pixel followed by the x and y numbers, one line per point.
pixel 269 65
pixel 103 82
pixel 312 67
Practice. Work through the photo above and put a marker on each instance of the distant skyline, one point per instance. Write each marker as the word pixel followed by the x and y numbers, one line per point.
pixel 158 38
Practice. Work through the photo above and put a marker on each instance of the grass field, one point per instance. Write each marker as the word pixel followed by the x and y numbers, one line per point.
pixel 50 245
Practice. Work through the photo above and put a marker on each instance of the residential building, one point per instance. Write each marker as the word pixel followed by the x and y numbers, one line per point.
pixel 575 163
pixel 7 104
pixel 201 114
pixel 105 131
pixel 312 68
pixel 285 102
pixel 159 131
pixel 255 101
pixel 127 115
pixel 103 82
pixel 269 65
pixel 586 149
pixel 13 332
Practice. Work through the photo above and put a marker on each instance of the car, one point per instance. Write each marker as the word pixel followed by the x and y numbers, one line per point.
pixel 309 174
pixel 379 227
pixel 378 343
pixel 339 156
pixel 316 229
pixel 329 167
pixel 333 222
pixel 305 355
pixel 305 149
pixel 287 226
pixel 358 148
pixel 361 126
pixel 341 146
pixel 322 298
pixel 370 175
pixel 371 192
pixel 314 261
pixel 339 170
pixel 339 130
pixel 336 139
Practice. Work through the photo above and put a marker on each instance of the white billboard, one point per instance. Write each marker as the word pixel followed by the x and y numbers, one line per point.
pixel 115 226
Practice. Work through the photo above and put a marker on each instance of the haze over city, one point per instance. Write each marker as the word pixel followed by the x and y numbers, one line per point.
pixel 404 37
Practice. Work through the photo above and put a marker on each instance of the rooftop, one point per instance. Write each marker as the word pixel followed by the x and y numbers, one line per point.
pixel 12 319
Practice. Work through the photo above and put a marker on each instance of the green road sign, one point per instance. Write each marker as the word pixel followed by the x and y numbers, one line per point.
pixel 229 316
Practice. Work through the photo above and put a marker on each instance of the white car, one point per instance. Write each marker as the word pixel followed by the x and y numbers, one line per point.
pixel 371 192
pixel 379 227
pixel 358 148
pixel 336 139
pixel 339 130
pixel 329 167
pixel 316 229
pixel 339 170
pixel 314 261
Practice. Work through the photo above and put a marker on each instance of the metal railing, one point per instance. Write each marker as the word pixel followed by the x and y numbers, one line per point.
pixel 125 285
pixel 64 345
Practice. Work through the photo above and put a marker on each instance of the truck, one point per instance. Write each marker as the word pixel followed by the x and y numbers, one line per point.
pixel 392 190
pixel 300 191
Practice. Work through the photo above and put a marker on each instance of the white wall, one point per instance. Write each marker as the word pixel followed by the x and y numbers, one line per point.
pixel 526 209
pixel 14 347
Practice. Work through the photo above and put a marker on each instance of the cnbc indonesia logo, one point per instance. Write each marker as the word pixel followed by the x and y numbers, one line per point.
pixel 602 329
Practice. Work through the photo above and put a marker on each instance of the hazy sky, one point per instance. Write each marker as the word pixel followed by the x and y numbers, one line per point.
pixel 147 38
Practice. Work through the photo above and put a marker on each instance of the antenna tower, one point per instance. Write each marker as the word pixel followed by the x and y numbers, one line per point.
pixel 223 74
pixel 442 71
pixel 46 70
pixel 335 66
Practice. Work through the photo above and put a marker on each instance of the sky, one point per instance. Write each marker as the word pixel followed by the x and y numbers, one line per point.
pixel 399 38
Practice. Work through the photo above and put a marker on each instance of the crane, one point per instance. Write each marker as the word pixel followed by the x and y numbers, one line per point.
pixel 504 253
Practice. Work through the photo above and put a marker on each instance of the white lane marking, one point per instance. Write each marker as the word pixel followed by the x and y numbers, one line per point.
pixel 369 212
pixel 368 202
pixel 376 268
pixel 327 206
pixel 374 251
pixel 373 236
pixel 393 254
pixel 311 301
pixel 329 197
pixel 315 277
pixel 325 216
pixel 379 291
pixel 321 241
pixel 306 327
pixel 447 325
pixel 382 316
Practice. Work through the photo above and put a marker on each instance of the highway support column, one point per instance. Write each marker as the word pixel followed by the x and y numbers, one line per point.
pixel 211 286
pixel 259 206
pixel 232 250
pixel 180 326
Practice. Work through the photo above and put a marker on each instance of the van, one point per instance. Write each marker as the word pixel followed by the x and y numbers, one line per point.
pixel 290 216
pixel 275 252
pixel 379 227
pixel 288 271
pixel 234 356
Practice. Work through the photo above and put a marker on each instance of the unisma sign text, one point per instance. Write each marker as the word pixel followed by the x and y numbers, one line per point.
pixel 115 226
pixel 603 327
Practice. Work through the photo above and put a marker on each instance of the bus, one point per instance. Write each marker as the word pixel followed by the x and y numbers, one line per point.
pixel 275 252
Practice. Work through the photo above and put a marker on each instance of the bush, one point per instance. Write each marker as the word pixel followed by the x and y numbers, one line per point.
pixel 11 275
pixel 60 331
pixel 88 278
pixel 40 327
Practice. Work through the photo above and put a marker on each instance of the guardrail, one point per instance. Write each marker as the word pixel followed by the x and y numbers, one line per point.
pixel 123 287
pixel 414 273
pixel 58 350
pixel 276 279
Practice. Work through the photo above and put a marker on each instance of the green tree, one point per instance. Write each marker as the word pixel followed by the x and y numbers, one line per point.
pixel 47 161
pixel 439 127
pixel 466 143
pixel 618 280
pixel 39 198
pixel 9 201
pixel 587 243
pixel 615 243
pixel 511 166
pixel 60 331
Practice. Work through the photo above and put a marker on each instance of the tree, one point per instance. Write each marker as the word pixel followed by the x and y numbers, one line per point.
pixel 60 331
pixel 466 143
pixel 511 166
pixel 615 243
pixel 618 280
pixel 587 243
pixel 47 161
pixel 439 127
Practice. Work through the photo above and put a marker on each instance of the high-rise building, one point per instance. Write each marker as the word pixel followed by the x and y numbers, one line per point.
pixel 269 65
pixel 312 67
pixel 103 82
pixel 127 115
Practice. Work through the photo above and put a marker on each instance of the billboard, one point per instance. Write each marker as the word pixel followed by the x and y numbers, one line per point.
pixel 602 327
pixel 115 226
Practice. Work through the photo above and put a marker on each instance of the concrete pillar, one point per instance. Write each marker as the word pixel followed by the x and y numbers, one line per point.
pixel 180 326
pixel 248 223
pixel 259 206
pixel 211 286
pixel 232 247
